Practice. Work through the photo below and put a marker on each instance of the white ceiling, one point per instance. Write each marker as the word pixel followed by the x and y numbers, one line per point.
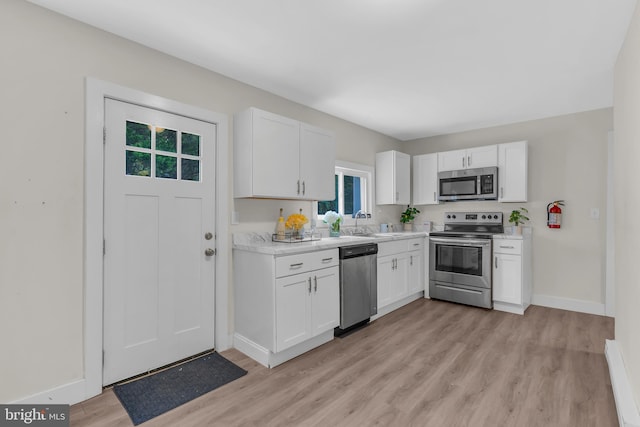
pixel 405 68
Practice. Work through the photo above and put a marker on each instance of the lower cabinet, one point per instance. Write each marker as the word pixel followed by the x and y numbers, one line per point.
pixel 400 271
pixel 306 305
pixel 285 305
pixel 512 274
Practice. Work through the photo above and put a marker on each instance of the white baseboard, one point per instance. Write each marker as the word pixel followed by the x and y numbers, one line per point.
pixel 67 394
pixel 570 304
pixel 625 404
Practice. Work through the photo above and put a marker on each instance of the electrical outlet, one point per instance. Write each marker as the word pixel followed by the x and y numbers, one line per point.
pixel 595 213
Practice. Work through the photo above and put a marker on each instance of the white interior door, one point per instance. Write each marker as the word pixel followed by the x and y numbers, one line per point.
pixel 159 271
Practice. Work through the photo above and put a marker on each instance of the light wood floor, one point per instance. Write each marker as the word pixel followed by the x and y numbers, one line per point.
pixel 430 363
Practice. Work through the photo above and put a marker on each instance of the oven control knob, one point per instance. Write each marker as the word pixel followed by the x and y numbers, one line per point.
pixel 484 217
pixel 495 217
pixel 448 216
pixel 454 217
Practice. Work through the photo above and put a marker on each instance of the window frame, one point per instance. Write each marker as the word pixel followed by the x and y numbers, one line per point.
pixel 354 169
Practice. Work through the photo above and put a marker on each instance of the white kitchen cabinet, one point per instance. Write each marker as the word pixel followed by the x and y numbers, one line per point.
pixel 512 274
pixel 415 272
pixel 425 179
pixel 278 157
pixel 512 172
pixel 285 305
pixel 307 304
pixel 478 157
pixel 393 178
pixel 400 270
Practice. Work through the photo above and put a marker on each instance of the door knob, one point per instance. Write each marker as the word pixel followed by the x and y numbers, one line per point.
pixel 209 252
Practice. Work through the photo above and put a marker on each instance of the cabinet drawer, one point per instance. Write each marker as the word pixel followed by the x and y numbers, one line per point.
pixel 415 244
pixel 302 263
pixel 505 246
pixel 393 247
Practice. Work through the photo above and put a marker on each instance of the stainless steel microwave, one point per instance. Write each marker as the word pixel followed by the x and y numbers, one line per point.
pixel 468 184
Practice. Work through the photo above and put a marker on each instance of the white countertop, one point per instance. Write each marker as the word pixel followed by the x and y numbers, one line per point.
pixel 262 243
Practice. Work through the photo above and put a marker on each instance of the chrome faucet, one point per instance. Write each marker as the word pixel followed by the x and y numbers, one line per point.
pixel 359 214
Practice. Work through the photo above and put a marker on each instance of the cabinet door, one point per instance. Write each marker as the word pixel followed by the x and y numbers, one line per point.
pixel 507 278
pixel 425 179
pixel 415 280
pixel 386 276
pixel 482 157
pixel 325 300
pixel 452 160
pixel 317 163
pixel 276 155
pixel 393 178
pixel 402 169
pixel 512 172
pixel 293 310
pixel 400 281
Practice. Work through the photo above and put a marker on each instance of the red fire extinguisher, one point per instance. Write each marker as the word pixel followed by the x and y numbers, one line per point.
pixel 554 214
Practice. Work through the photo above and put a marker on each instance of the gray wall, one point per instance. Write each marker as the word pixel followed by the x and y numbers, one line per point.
pixel 627 202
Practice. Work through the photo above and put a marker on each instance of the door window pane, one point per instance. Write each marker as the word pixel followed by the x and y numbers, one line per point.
pixel 166 167
pixel 166 140
pixel 138 135
pixel 138 164
pixel 190 170
pixel 190 144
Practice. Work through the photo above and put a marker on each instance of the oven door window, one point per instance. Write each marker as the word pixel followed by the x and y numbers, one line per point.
pixel 459 259
pixel 465 186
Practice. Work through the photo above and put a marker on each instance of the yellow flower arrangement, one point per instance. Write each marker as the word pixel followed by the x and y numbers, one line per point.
pixel 296 221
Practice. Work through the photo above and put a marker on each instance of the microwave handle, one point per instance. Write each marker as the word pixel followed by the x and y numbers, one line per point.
pixel 460 242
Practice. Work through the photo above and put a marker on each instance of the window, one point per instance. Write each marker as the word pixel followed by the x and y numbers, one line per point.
pixel 353 189
pixel 169 153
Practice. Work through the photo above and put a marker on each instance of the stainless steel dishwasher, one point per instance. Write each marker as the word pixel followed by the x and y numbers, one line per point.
pixel 358 286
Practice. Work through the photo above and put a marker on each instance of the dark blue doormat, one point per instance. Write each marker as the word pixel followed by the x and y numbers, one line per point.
pixel 156 394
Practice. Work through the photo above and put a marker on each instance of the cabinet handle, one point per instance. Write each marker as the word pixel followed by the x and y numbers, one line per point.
pixel 309 285
pixel 297 265
pixel 397 195
pixel 468 161
pixel 463 162
pixel 501 192
pixel 324 260
pixel 416 244
pixel 298 186
pixel 434 196
pixel 411 262
pixel 507 247
pixel 496 262
pixel 304 187
pixel 315 284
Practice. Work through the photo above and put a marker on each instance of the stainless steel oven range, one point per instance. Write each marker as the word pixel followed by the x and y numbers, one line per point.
pixel 460 258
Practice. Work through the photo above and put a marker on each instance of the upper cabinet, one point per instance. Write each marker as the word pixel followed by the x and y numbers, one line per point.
pixel 425 179
pixel 512 172
pixel 393 178
pixel 479 157
pixel 278 157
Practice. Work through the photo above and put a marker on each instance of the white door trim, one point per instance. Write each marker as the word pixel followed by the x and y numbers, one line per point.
pixel 610 271
pixel 95 93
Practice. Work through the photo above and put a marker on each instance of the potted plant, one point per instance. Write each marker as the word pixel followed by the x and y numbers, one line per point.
pixel 333 219
pixel 517 218
pixel 408 216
